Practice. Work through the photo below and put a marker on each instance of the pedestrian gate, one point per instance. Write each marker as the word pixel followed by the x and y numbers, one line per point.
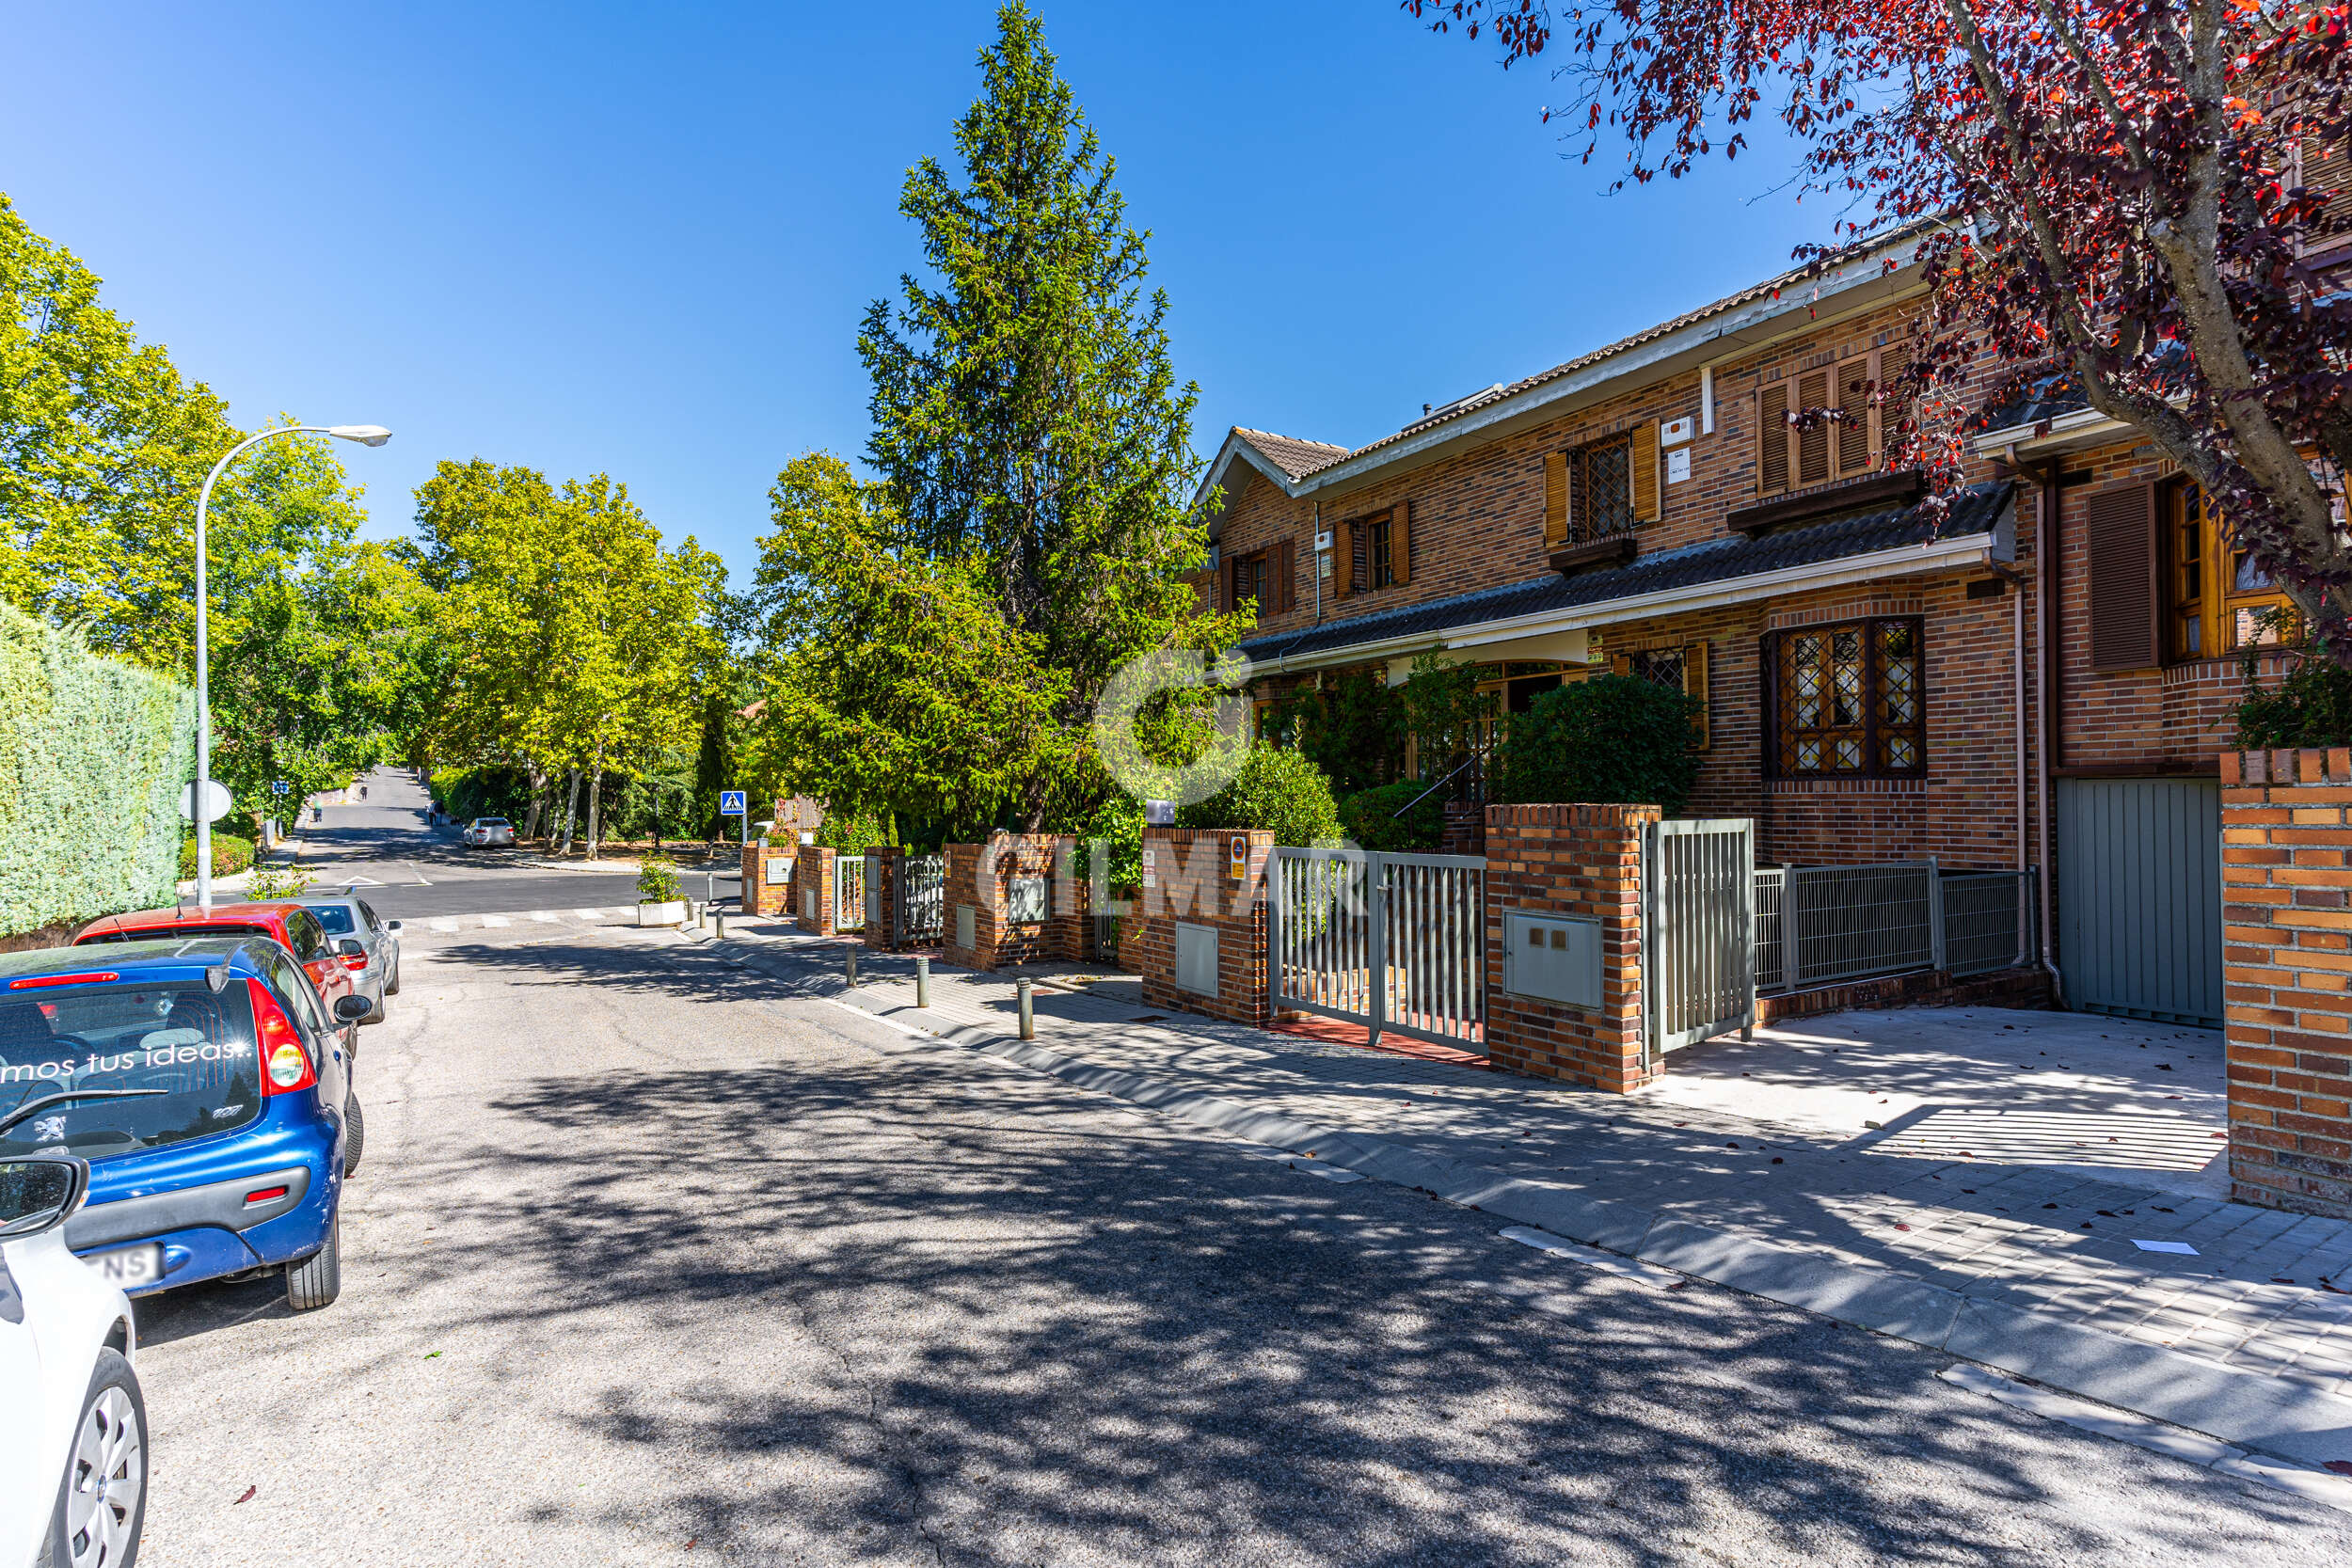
pixel 848 892
pixel 1395 943
pixel 920 911
pixel 1698 925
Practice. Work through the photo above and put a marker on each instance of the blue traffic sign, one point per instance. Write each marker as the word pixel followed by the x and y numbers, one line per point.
pixel 730 802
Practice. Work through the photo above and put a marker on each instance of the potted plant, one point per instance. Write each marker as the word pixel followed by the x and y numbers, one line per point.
pixel 657 899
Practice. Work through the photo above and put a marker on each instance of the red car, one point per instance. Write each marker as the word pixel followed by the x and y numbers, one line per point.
pixel 290 925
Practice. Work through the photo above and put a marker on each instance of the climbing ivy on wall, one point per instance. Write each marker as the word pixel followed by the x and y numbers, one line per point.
pixel 93 754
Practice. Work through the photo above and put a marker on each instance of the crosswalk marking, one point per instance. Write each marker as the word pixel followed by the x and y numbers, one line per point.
pixel 496 920
pixel 543 917
pixel 589 914
pixel 444 925
pixel 450 924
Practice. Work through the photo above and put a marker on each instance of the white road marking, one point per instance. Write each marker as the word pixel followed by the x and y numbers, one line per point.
pixel 545 917
pixel 876 1018
pixel 2140 1432
pixel 589 914
pixel 444 925
pixel 496 920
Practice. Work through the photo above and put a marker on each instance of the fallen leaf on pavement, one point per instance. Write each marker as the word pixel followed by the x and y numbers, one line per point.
pixel 248 1496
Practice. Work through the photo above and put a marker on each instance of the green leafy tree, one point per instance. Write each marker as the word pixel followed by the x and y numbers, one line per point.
pixel 1353 730
pixel 1403 816
pixel 1446 714
pixel 1278 789
pixel 1027 423
pixel 1605 739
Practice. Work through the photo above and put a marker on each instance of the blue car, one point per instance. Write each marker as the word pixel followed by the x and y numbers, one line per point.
pixel 211 1093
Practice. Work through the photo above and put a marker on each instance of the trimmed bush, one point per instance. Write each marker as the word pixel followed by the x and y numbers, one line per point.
pixel 1606 740
pixel 657 880
pixel 1370 817
pixel 93 754
pixel 1277 788
pixel 230 855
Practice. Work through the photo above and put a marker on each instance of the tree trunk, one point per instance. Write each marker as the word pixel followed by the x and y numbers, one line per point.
pixel 538 798
pixel 596 805
pixel 571 812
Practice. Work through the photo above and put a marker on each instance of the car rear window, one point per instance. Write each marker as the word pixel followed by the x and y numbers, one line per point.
pixel 492 822
pixel 180 1038
pixel 335 917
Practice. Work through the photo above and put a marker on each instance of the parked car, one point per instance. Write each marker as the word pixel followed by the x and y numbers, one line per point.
pixel 484 833
pixel 74 1449
pixel 210 1093
pixel 287 924
pixel 368 946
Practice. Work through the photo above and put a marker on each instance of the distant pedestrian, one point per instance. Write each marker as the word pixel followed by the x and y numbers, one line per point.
pixel 363 792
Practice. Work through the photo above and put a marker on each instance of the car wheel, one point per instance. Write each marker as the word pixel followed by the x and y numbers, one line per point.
pixel 315 1281
pixel 391 987
pixel 355 1132
pixel 101 1503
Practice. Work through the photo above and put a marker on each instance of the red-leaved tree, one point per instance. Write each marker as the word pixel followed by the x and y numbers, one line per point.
pixel 2114 202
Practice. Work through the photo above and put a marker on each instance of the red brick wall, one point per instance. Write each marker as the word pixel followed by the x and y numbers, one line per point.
pixel 1187 877
pixel 885 873
pixel 813 871
pixel 758 896
pixel 979 875
pixel 2286 889
pixel 1570 860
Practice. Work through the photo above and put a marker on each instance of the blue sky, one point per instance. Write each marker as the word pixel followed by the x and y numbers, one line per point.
pixel 638 238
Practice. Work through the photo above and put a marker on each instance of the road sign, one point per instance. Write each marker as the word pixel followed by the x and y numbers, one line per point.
pixel 215 800
pixel 278 788
pixel 730 802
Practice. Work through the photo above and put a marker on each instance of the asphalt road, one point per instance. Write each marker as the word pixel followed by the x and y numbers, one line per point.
pixel 655 1259
pixel 407 870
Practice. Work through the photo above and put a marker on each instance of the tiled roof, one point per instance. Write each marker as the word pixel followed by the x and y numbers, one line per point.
pixel 1289 454
pixel 1976 510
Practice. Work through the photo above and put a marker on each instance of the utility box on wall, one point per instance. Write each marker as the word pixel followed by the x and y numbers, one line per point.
pixel 1556 957
pixel 1195 958
pixel 967 927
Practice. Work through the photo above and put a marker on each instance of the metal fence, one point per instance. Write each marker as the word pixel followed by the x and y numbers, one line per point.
pixel 1700 924
pixel 1395 943
pixel 1818 925
pixel 1103 939
pixel 920 911
pixel 848 892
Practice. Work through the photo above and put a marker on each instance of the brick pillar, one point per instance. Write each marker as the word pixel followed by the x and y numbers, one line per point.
pixel 759 896
pixel 2286 933
pixel 1188 880
pixel 813 872
pixel 1583 862
pixel 886 878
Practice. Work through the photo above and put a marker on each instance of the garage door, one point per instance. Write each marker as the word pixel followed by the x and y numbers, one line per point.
pixel 2139 896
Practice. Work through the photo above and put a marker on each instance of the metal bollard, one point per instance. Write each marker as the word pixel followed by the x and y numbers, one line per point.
pixel 922 981
pixel 852 950
pixel 1029 1011
pixel 719 926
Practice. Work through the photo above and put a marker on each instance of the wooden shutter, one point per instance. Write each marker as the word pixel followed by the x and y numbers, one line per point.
pixel 1555 498
pixel 1621 664
pixel 1401 544
pixel 1695 684
pixel 1773 438
pixel 2120 536
pixel 1285 576
pixel 1857 429
pixel 1813 441
pixel 1359 548
pixel 1646 497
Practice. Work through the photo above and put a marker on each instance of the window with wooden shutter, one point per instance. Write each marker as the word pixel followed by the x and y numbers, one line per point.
pixel 1401 544
pixel 1359 543
pixel 1773 438
pixel 1602 486
pixel 1555 498
pixel 1647 499
pixel 1286 575
pixel 1813 458
pixel 1855 435
pixel 2119 533
pixel 2218 599
pixel 1849 700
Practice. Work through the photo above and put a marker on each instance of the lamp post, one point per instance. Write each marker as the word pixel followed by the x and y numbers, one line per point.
pixel 367 435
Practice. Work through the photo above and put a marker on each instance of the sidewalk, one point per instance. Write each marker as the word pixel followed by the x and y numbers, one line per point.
pixel 2027 1268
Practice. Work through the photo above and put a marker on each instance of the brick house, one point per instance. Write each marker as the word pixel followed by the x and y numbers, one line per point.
pixel 1877 682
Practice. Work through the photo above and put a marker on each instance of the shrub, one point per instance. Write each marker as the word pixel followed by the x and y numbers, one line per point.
pixel 1117 821
pixel 657 880
pixel 1354 731
pixel 230 855
pixel 1277 788
pixel 1371 816
pixel 2312 705
pixel 1606 739
pixel 277 882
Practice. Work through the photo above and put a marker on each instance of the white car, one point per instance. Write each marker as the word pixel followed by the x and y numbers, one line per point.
pixel 484 831
pixel 74 1445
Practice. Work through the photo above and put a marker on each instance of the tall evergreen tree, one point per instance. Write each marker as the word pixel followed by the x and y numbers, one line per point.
pixel 1027 422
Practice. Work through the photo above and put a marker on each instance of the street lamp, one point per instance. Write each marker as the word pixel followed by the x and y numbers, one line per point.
pixel 367 435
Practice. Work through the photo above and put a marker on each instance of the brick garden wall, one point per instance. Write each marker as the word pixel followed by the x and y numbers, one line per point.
pixel 2286 889
pixel 758 896
pixel 813 871
pixel 1569 860
pixel 980 875
pixel 1188 878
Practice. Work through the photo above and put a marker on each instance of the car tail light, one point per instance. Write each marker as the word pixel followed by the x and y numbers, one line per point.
pixel 355 961
pixel 95 978
pixel 285 1065
pixel 265 1194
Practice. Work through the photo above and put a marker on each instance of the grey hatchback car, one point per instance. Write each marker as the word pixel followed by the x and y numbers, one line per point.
pixel 366 945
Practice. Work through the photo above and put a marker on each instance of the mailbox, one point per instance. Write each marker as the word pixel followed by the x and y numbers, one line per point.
pixel 1553 957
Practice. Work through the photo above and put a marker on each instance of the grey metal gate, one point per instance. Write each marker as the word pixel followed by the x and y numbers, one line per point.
pixel 1698 930
pixel 2138 895
pixel 848 892
pixel 1395 943
pixel 920 911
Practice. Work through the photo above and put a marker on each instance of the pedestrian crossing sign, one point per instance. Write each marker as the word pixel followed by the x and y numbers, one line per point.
pixel 730 802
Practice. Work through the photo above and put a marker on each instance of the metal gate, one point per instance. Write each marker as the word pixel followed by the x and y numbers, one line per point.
pixel 848 892
pixel 920 911
pixel 2139 891
pixel 1394 943
pixel 1698 925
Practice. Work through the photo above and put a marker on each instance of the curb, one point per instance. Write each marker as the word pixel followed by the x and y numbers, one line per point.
pixel 2247 1410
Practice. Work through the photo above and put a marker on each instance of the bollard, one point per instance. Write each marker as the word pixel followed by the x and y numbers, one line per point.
pixel 719 926
pixel 1028 1012
pixel 922 981
pixel 852 950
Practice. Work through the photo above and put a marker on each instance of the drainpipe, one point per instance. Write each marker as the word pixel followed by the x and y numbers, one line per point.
pixel 1314 543
pixel 2016 580
pixel 2047 755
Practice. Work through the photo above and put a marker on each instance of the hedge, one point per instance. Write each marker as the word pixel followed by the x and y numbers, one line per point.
pixel 93 754
pixel 230 855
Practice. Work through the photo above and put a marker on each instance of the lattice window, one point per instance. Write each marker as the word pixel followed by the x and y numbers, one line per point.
pixel 1602 488
pixel 1850 700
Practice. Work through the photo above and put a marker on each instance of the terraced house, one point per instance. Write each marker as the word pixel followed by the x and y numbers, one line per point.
pixel 2037 678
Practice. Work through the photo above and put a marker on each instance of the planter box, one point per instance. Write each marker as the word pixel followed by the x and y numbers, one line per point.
pixel 670 913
